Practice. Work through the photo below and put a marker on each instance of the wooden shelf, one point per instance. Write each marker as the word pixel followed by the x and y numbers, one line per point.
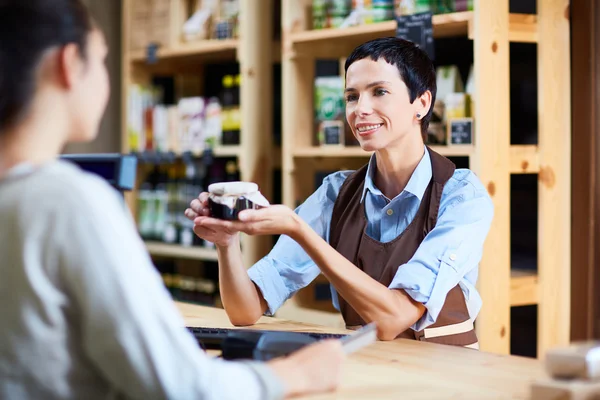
pixel 355 151
pixel 178 251
pixel 523 28
pixel 455 24
pixel 227 47
pixel 338 42
pixel 523 288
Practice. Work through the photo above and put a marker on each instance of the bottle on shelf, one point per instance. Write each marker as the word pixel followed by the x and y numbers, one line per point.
pixel 170 234
pixel 213 129
pixel 186 190
pixel 198 187
pixel 161 197
pixel 231 116
pixel 145 209
pixel 232 172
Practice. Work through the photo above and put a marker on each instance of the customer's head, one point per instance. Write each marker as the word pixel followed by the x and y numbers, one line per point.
pixel 51 57
pixel 390 91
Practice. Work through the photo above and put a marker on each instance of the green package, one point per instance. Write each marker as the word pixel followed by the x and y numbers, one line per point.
pixel 328 101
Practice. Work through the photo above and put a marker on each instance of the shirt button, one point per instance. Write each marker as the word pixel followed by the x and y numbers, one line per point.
pixel 390 211
pixel 453 257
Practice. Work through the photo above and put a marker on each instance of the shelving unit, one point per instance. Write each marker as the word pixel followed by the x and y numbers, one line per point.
pixel 493 158
pixel 254 51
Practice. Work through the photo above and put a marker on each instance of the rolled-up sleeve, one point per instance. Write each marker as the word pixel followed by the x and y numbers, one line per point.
pixel 451 252
pixel 288 268
pixel 278 278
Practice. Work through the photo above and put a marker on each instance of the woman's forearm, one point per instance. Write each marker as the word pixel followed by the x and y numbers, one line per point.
pixel 393 310
pixel 241 298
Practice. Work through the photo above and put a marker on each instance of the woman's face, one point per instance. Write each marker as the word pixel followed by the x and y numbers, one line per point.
pixel 378 107
pixel 90 91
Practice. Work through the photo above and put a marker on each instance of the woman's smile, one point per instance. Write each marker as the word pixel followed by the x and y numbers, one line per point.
pixel 368 128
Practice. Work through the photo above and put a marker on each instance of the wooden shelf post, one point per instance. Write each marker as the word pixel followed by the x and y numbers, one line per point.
pixel 298 81
pixel 554 185
pixel 491 163
pixel 255 58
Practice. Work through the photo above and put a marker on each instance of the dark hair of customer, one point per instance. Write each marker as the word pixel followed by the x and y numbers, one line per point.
pixel 29 29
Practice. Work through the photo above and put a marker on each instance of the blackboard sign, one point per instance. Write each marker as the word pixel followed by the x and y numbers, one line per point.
pixel 417 28
pixel 460 131
pixel 332 133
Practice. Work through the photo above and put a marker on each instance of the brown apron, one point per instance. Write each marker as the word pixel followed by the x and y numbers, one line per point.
pixel 381 260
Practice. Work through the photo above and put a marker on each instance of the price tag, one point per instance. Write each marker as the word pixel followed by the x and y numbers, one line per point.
pixel 460 131
pixel 151 50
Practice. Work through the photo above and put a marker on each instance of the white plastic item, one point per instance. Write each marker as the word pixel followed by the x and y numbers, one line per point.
pixel 213 122
pixel 580 360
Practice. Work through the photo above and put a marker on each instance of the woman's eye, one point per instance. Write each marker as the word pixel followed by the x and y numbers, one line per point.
pixel 380 92
pixel 351 97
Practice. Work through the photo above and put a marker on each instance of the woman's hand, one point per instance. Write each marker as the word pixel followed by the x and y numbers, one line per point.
pixel 199 211
pixel 271 220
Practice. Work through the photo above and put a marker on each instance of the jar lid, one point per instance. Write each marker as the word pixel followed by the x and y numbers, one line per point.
pixel 232 188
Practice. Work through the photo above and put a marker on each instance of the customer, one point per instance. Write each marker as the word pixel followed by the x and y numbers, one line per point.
pixel 84 314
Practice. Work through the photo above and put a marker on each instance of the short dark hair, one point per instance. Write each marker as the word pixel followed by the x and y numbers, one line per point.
pixel 416 68
pixel 27 29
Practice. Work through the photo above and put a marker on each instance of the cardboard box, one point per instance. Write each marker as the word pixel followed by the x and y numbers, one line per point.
pixel 551 389
pixel 157 22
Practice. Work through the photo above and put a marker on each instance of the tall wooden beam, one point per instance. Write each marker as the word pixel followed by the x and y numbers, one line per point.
pixel 256 100
pixel 554 187
pixel 491 163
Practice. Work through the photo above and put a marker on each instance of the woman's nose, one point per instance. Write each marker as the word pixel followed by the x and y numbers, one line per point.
pixel 363 106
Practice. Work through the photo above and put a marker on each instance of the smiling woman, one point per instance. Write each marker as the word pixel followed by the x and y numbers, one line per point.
pixel 399 239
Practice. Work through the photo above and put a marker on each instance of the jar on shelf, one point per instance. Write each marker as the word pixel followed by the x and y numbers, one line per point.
pixel 382 10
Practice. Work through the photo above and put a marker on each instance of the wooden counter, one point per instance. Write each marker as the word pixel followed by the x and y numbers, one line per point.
pixel 407 369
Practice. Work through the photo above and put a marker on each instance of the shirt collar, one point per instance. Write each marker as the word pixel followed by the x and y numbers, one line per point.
pixel 18 171
pixel 417 184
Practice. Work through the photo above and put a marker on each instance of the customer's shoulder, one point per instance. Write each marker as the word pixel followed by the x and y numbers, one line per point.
pixel 65 184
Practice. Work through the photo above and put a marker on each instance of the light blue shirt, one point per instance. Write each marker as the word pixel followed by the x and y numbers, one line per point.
pixel 449 254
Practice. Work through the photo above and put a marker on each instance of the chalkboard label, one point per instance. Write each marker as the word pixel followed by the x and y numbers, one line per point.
pixel 332 133
pixel 418 28
pixel 461 131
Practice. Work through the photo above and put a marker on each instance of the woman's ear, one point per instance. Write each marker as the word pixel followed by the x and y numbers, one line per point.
pixel 70 65
pixel 423 103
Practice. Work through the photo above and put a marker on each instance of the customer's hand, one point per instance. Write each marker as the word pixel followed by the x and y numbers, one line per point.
pixel 313 369
pixel 215 233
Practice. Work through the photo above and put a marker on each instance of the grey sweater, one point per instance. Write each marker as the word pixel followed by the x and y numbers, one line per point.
pixel 83 312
